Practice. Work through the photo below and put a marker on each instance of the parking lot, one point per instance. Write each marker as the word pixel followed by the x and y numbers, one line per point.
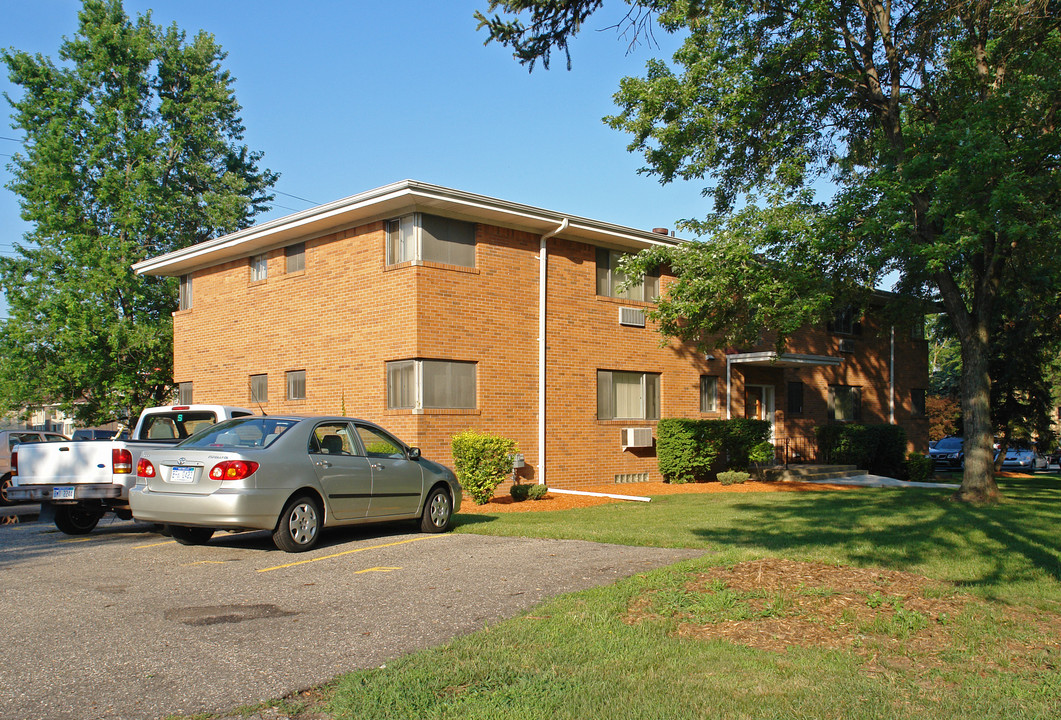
pixel 126 623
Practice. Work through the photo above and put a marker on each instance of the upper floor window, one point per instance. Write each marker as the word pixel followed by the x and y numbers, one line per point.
pixel 184 301
pixel 295 258
pixel 184 393
pixel 419 237
pixel 259 267
pixel 846 322
pixel 627 395
pixel 610 279
pixel 795 398
pixel 296 385
pixel 418 384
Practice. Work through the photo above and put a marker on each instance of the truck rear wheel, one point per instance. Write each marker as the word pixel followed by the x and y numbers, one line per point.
pixel 5 483
pixel 76 520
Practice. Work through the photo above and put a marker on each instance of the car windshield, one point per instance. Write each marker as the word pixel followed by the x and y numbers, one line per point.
pixel 951 443
pixel 244 432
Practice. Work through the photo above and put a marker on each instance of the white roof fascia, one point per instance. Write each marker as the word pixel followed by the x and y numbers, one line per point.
pixel 390 201
pixel 770 357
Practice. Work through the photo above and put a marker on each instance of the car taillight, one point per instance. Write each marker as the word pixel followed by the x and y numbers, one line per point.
pixel 144 468
pixel 121 461
pixel 233 470
pixel 14 463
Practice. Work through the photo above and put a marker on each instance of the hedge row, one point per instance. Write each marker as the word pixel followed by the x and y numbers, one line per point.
pixel 878 449
pixel 693 450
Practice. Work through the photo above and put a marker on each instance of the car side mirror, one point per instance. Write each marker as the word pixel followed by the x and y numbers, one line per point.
pixel 414 453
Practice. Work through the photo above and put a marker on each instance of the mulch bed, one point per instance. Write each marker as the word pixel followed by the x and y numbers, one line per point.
pixel 563 501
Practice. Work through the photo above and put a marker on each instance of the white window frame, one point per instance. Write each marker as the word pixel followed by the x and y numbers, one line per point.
pixel 259 267
pixel 185 393
pixel 713 396
pixel 263 397
pixel 645 394
pixel 418 385
pixel 290 377
pixel 411 249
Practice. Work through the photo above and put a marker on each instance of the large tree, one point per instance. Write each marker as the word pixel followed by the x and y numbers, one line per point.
pixel 133 148
pixel 934 122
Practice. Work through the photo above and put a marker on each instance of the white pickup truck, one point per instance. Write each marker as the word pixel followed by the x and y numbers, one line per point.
pixel 77 482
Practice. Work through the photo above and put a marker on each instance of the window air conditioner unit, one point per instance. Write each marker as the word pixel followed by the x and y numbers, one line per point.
pixel 847 346
pixel 632 316
pixel 636 437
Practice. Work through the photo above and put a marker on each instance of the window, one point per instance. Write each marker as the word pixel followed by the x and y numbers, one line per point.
pixel 295 258
pixel 259 267
pixel 332 439
pixel 379 444
pixel 610 278
pixel 184 393
pixel 185 298
pixel 417 384
pixel 296 385
pixel 845 403
pixel 708 394
pixel 846 322
pixel 259 388
pixel 917 403
pixel 430 238
pixel 795 398
pixel 627 395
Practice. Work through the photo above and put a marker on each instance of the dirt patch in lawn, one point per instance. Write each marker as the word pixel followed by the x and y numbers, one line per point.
pixel 896 621
pixel 564 501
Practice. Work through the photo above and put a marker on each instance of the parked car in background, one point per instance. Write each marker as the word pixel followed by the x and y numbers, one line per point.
pixel 292 476
pixel 97 434
pixel 947 454
pixel 1025 460
pixel 11 439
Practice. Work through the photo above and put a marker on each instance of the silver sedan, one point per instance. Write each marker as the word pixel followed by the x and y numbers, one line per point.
pixel 292 476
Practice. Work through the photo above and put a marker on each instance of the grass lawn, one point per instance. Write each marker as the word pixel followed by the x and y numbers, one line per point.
pixel 870 603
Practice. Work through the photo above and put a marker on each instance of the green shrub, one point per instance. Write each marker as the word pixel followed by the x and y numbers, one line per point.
pixel 762 453
pixel 519 492
pixel 879 449
pixel 683 452
pixel 919 467
pixel 537 492
pixel 733 477
pixel 481 462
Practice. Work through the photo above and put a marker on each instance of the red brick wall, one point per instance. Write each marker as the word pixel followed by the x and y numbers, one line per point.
pixel 348 314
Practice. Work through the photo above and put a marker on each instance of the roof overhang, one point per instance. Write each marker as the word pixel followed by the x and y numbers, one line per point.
pixel 771 358
pixel 387 202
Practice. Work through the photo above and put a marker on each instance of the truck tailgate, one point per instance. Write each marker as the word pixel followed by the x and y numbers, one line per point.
pixel 65 463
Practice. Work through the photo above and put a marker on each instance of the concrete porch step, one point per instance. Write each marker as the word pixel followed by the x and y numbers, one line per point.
pixel 819 472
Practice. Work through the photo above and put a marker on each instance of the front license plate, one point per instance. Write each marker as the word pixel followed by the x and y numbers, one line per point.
pixel 182 475
pixel 63 493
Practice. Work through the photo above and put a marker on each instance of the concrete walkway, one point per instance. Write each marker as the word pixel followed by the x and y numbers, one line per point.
pixel 881 481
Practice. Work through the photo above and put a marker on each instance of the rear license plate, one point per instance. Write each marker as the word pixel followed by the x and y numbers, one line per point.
pixel 182 475
pixel 63 493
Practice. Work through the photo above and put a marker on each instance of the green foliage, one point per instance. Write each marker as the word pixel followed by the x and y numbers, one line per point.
pixel 133 148
pixel 519 492
pixel 762 453
pixel 537 491
pixel 688 450
pixel 733 477
pixel 879 449
pixel 919 468
pixel 482 462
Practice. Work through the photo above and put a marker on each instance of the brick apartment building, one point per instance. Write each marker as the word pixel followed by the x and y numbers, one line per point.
pixel 424 308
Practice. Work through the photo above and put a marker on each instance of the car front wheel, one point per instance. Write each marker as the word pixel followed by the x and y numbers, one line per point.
pixel 300 525
pixel 438 511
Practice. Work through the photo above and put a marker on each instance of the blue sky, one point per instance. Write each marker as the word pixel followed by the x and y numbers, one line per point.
pixel 347 95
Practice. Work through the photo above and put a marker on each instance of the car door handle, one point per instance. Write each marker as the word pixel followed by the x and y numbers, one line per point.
pixel 376 466
pixel 323 464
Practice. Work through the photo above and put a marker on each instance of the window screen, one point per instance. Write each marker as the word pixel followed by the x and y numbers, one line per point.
pixel 401 384
pixel 708 394
pixel 259 267
pixel 184 393
pixel 259 388
pixel 295 257
pixel 448 384
pixel 296 385
pixel 185 300
pixel 448 241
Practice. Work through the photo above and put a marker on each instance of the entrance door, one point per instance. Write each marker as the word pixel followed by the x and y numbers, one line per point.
pixel 759 404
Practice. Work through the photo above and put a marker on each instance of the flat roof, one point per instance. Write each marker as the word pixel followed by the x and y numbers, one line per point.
pixel 390 201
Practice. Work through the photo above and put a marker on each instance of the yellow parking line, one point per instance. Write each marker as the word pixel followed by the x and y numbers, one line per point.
pixel 72 540
pixel 158 544
pixel 349 552
pixel 204 562
pixel 376 569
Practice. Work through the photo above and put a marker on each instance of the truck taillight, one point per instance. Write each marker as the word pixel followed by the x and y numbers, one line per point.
pixel 14 463
pixel 144 468
pixel 233 470
pixel 121 461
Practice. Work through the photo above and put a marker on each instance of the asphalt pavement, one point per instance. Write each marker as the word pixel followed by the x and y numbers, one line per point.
pixel 125 623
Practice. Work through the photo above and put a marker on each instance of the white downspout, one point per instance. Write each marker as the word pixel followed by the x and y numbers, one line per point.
pixel 729 390
pixel 543 276
pixel 891 382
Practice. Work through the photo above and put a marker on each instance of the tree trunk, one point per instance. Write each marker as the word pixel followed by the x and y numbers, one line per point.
pixel 978 478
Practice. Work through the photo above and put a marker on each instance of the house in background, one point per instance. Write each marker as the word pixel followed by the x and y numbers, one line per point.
pixel 431 310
